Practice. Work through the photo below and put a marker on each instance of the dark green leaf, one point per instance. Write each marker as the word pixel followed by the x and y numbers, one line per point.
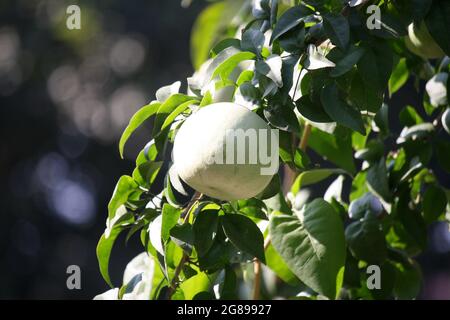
pixel 339 110
pixel 139 117
pixel 434 203
pixel 244 234
pixel 438 22
pixel 289 19
pixel 377 180
pixel 337 29
pixel 312 245
pixel 205 229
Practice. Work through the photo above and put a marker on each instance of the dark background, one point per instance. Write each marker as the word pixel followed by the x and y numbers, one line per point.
pixel 65 97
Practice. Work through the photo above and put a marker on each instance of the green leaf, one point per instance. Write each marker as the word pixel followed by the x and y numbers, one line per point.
pixel 226 61
pixel 244 234
pixel 138 118
pixel 409 117
pixel 124 187
pixel 313 245
pixel 225 43
pixel 438 22
pixel 271 68
pixel 252 41
pixel 282 116
pixel 311 110
pixel 339 110
pixel 170 217
pixel 252 207
pixel 169 106
pixel 276 264
pixel 337 28
pixel 313 176
pixel 175 113
pixel 347 62
pixel 376 65
pixel 289 19
pixel 408 281
pixel 207 28
pixel 434 203
pixel 377 180
pixel 205 229
pixel 366 241
pixel 196 284
pixel 399 76
pixel 104 247
pixel 335 148
pixel 183 236
pixel 163 93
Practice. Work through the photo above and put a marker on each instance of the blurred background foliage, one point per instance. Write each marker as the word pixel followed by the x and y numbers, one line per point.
pixel 65 97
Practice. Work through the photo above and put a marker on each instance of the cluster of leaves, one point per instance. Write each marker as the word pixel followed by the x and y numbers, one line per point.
pixel 313 69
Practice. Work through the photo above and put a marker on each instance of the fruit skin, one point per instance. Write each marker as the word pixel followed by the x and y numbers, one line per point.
pixel 420 42
pixel 202 137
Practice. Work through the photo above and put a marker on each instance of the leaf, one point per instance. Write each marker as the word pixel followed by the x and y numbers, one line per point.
pixel 399 76
pixel 312 176
pixel 337 28
pixel 205 229
pixel 347 62
pixel 252 41
pixel 434 203
pixel 276 264
pixel 377 180
pixel 271 68
pixel 207 29
pixel 375 66
pixel 408 281
pixel 244 234
pixel 138 118
pixel 418 131
pixel 163 93
pixel 225 43
pixel 313 245
pixel 438 22
pixel 289 19
pixel 252 207
pixel 446 120
pixel 340 111
pixel 366 241
pixel 196 284
pixel 170 216
pixel 175 113
pixel 167 108
pixel 436 89
pixel 409 117
pixel 335 148
pixel 316 60
pixel 226 61
pixel 311 110
pixel 124 187
pixel 104 247
pixel 282 116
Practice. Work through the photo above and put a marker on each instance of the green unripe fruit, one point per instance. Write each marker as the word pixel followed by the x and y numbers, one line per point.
pixel 202 139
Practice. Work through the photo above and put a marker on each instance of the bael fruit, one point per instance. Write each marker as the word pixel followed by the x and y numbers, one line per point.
pixel 420 42
pixel 201 140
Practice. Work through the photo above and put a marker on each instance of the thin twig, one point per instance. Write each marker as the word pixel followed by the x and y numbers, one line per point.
pixel 257 280
pixel 175 281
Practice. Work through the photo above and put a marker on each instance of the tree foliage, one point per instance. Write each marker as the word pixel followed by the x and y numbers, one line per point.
pixel 316 71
